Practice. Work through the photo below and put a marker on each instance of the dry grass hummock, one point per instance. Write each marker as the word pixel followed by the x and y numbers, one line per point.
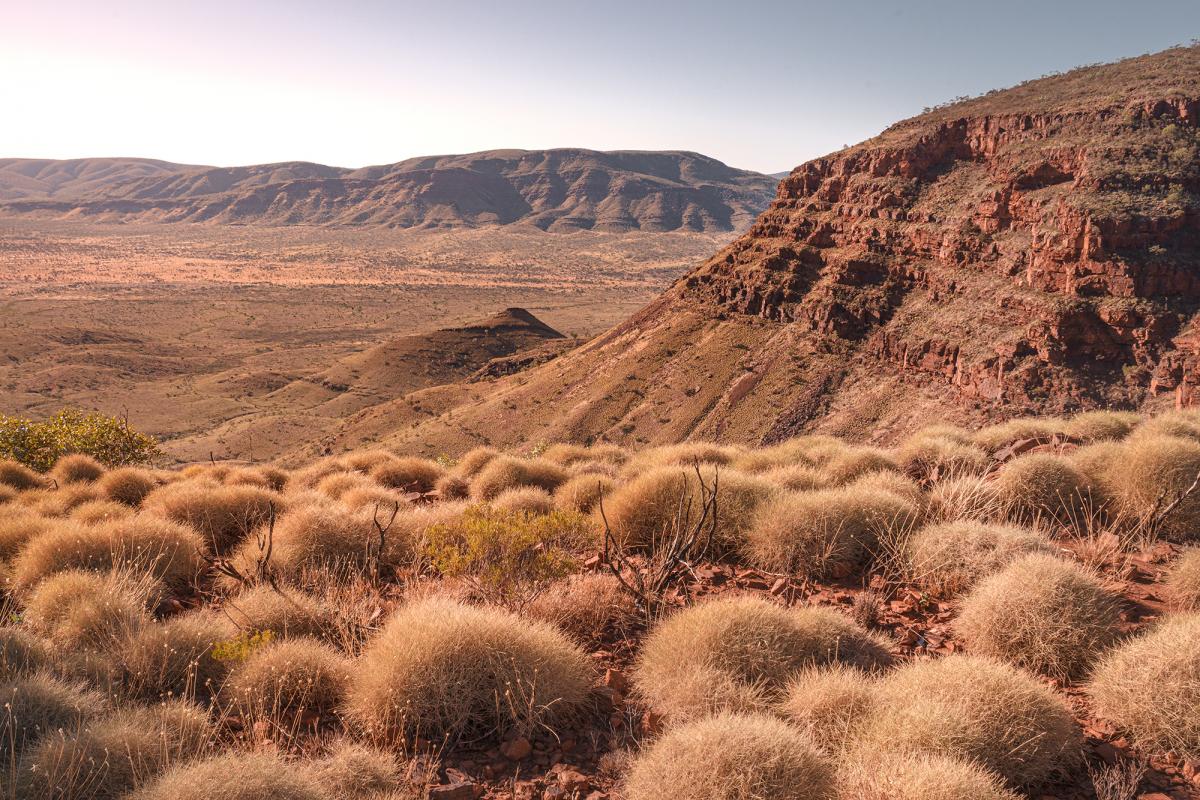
pixel 128 485
pixel 83 610
pixel 1150 687
pixel 37 706
pixel 168 551
pixel 112 755
pixel 19 526
pixel 1041 613
pixel 1153 469
pixel 284 681
pixel 740 653
pixel 98 512
pixel 18 476
pixel 223 515
pixel 978 709
pixel 234 776
pixel 175 658
pixel 1102 426
pixel 1183 581
pixel 997 437
pixel 828 532
pixel 409 474
pixel 649 507
pixel 584 606
pixel 284 612
pixel 918 776
pixel 951 556
pixel 829 703
pixel 932 455
pixel 1043 486
pixel 76 468
pixel 582 493
pixel 506 472
pixel 21 653
pixel 439 669
pixel 731 757
pixel 524 500
pixel 354 771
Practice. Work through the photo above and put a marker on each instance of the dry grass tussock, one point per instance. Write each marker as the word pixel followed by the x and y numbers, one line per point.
pixel 933 454
pixel 18 526
pixel 1101 426
pixel 128 485
pixel 175 657
pixel 977 709
pixel 918 776
pixel 78 609
pixel 997 437
pixel 223 515
pixel 1043 486
pixel 1041 613
pixel 524 500
pixel 409 474
pixel 1151 470
pixel 475 460
pixel 284 612
pixel 234 776
pixel 828 532
pixel 648 507
pixel 684 454
pixel 582 493
pixel 168 551
pixel 339 484
pixel 21 653
pixel 453 486
pixel 76 468
pixel 584 606
pixel 285 680
pixel 36 706
pixel 731 757
pixel 98 512
pixel 1183 581
pixel 506 472
pixel 740 653
pixel 829 703
pixel 18 476
pixel 115 754
pixel 852 463
pixel 441 669
pixel 966 497
pixel 354 771
pixel 1150 687
pixel 950 557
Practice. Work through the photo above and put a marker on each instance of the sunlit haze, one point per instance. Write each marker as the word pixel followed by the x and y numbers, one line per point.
pixel 760 85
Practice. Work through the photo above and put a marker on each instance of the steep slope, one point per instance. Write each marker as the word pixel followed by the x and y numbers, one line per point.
pixel 551 189
pixel 1032 250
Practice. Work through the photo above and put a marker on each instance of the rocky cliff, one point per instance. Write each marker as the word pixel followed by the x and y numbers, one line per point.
pixel 1032 250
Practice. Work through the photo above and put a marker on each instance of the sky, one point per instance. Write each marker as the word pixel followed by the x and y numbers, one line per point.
pixel 759 84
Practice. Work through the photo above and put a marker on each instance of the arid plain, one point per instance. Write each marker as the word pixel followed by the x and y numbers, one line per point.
pixel 118 318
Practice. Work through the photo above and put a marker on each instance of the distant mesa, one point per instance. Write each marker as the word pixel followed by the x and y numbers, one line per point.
pixel 555 190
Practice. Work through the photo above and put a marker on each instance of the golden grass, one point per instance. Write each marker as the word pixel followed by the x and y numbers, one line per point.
pixel 506 472
pixel 1150 687
pixel 354 771
pixel 1043 486
pixel 829 703
pixel 21 653
pixel 731 757
pixel 98 512
pixel 441 669
pixel 930 455
pixel 168 551
pixel 966 497
pixel 1099 426
pixel 918 776
pixel 827 532
pixel 1041 613
pixel 174 658
pixel 1183 581
pixel 223 515
pixel 112 755
pixel 38 705
pixel 978 709
pixel 852 463
pixel 950 557
pixel 18 476
pixel 584 606
pixel 78 609
pixel 408 474
pixel 739 653
pixel 996 437
pixel 234 776
pixel 582 493
pixel 475 460
pixel 285 680
pixel 128 485
pixel 284 612
pixel 524 500
pixel 76 468
pixel 19 526
pixel 1153 470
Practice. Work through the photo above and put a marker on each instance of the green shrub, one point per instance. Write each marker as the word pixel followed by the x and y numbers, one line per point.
pixel 509 557
pixel 109 440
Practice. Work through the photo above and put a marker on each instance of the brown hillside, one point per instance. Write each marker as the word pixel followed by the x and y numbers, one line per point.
pixel 1030 251
pixel 558 190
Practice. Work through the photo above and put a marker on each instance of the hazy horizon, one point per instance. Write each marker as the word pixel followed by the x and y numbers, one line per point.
pixel 763 86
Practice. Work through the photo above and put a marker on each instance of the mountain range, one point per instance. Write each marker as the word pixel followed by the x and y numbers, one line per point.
pixel 555 190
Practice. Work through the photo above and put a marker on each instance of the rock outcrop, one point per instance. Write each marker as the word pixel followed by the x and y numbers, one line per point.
pixel 1034 250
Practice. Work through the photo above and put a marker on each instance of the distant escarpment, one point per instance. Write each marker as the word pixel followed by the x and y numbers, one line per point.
pixel 1034 250
pixel 557 190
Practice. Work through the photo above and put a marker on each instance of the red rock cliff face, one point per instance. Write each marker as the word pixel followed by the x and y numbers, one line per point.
pixel 1042 260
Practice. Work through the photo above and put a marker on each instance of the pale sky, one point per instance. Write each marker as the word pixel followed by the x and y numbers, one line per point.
pixel 761 84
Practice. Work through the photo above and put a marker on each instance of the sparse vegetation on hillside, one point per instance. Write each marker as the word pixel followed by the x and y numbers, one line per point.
pixel 811 647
